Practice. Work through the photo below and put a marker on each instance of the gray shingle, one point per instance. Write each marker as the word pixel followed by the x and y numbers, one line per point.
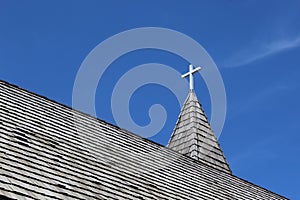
pixel 49 151
pixel 193 136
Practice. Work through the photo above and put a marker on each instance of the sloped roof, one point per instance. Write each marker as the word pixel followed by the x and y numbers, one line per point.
pixel 49 151
pixel 193 136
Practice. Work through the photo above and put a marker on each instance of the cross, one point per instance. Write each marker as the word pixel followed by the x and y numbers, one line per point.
pixel 190 73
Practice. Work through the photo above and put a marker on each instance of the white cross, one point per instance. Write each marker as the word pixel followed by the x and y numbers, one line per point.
pixel 190 73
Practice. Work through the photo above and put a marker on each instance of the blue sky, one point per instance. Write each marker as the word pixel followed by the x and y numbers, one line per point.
pixel 255 44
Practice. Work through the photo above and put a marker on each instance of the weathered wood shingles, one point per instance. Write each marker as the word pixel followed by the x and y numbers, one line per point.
pixel 193 136
pixel 49 151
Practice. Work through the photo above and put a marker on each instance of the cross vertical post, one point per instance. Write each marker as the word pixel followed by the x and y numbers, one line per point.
pixel 190 74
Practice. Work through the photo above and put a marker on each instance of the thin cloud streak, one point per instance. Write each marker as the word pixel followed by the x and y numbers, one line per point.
pixel 248 56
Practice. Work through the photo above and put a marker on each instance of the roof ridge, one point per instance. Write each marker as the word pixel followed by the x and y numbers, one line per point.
pixel 6 83
pixel 101 120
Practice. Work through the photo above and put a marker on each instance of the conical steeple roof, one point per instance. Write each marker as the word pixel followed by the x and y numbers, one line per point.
pixel 193 136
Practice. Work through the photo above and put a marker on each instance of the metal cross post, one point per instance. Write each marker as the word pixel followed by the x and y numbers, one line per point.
pixel 190 73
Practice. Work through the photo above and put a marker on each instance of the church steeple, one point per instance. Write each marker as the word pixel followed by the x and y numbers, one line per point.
pixel 193 136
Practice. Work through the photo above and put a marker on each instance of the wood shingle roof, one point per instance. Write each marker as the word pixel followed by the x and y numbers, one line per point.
pixel 50 151
pixel 193 136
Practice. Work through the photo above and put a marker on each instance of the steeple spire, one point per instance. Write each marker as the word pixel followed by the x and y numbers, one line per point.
pixel 193 136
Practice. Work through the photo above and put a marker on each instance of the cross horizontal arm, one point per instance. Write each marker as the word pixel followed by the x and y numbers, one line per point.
pixel 185 75
pixel 191 72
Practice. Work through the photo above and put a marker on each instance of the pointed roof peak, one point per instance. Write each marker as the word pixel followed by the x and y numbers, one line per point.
pixel 194 137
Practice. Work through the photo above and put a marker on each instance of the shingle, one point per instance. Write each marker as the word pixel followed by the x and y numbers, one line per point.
pixel 201 132
pixel 70 155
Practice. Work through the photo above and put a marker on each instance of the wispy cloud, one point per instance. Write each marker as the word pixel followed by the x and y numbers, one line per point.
pixel 252 54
